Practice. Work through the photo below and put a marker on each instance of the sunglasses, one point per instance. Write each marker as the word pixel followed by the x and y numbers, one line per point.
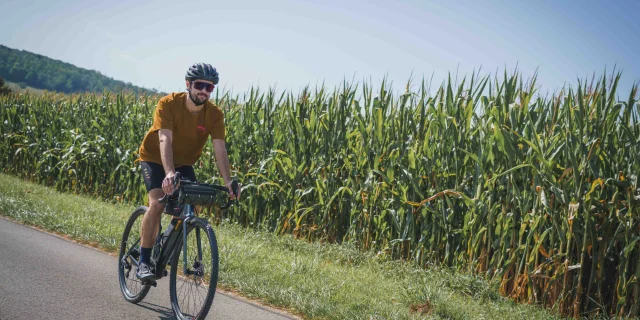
pixel 203 85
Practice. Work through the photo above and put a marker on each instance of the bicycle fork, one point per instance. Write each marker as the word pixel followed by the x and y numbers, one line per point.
pixel 185 268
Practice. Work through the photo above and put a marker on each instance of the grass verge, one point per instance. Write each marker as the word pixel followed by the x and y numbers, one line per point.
pixel 314 281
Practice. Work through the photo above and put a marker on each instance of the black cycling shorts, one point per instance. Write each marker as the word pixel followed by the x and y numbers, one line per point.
pixel 153 174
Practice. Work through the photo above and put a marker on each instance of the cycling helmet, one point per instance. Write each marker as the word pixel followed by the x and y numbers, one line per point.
pixel 202 71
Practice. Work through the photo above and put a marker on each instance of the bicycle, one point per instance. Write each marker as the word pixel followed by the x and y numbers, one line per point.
pixel 169 248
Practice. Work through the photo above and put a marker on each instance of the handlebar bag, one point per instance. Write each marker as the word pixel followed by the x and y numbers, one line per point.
pixel 197 195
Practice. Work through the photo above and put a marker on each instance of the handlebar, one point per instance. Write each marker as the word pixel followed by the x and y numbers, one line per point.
pixel 179 184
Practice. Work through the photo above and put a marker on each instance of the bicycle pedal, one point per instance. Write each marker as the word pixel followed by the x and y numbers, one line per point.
pixel 149 283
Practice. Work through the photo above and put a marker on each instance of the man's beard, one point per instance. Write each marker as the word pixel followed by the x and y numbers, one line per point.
pixel 196 100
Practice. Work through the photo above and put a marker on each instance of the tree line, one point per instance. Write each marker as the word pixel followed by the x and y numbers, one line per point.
pixel 38 71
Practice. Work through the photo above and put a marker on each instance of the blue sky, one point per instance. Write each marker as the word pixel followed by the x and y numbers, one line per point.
pixel 291 44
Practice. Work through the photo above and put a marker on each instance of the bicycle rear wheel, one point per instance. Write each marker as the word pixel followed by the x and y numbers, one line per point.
pixel 192 295
pixel 132 289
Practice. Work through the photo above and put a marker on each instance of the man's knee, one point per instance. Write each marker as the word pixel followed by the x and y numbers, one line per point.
pixel 155 207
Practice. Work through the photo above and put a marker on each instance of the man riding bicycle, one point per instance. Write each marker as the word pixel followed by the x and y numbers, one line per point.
pixel 181 124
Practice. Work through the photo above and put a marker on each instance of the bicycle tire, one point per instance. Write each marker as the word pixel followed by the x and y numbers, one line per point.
pixel 132 289
pixel 177 304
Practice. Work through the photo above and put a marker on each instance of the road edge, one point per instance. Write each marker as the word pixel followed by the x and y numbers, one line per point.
pixel 221 290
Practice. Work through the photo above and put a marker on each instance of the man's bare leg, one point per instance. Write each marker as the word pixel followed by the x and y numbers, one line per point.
pixel 149 231
pixel 151 220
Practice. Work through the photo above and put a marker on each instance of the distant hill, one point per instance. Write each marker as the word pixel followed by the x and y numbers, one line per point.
pixel 28 69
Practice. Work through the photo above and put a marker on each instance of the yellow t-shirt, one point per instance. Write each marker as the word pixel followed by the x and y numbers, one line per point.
pixel 190 131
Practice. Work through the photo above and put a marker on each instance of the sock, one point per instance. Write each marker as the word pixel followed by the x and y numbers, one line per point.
pixel 145 255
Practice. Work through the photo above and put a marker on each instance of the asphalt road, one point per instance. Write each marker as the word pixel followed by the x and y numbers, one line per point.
pixel 43 276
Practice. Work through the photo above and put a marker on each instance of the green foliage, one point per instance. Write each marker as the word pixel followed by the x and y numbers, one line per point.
pixel 4 89
pixel 483 175
pixel 318 281
pixel 37 71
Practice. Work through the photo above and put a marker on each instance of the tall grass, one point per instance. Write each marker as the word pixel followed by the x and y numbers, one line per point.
pixel 485 174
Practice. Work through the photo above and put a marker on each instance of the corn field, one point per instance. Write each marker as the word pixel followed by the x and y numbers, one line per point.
pixel 485 174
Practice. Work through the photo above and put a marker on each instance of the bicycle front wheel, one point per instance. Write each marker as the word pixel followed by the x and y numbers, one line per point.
pixel 192 291
pixel 132 289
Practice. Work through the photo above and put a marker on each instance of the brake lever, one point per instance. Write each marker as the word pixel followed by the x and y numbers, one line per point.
pixel 176 181
pixel 234 187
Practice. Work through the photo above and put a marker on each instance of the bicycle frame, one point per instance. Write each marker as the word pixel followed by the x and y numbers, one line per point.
pixel 169 247
pixel 186 216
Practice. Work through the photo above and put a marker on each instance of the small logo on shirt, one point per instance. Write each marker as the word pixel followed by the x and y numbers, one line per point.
pixel 202 129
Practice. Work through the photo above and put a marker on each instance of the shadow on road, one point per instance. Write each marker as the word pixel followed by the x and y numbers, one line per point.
pixel 164 313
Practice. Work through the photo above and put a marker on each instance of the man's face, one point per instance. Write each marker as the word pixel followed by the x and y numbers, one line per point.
pixel 200 90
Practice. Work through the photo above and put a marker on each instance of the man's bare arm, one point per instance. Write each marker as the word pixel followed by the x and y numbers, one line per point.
pixel 166 153
pixel 220 151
